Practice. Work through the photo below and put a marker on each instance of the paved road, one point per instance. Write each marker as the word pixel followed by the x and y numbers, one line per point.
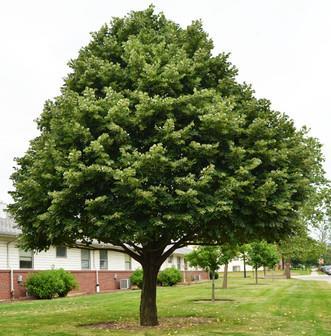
pixel 314 276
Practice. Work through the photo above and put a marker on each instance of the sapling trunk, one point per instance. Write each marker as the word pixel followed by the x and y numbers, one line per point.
pixel 256 277
pixel 225 276
pixel 288 269
pixel 213 286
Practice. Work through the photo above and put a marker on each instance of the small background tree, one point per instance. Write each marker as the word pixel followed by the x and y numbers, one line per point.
pixel 262 254
pixel 243 255
pixel 211 258
pixel 228 252
pixel 208 258
pixel 300 248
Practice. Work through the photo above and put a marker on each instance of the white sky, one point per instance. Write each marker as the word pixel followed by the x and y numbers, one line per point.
pixel 281 47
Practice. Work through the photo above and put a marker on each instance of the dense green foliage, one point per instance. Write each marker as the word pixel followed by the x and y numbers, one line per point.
pixel 213 274
pixel 153 137
pixel 302 249
pixel 169 277
pixel 262 254
pixel 211 258
pixel 69 282
pixel 136 278
pixel 48 284
pixel 153 145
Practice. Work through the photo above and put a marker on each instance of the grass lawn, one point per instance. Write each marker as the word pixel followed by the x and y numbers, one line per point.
pixel 274 307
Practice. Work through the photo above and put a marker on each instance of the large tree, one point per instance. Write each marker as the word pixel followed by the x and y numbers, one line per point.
pixel 153 145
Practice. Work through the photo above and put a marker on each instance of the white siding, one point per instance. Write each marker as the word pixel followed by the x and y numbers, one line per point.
pixel 3 254
pixel 236 262
pixel 48 260
pixel 116 261
pixel 13 254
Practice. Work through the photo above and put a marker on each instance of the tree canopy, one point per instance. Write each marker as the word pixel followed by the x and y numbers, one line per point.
pixel 153 144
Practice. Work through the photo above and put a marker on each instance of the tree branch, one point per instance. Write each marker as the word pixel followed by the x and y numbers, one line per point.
pixel 132 254
pixel 174 247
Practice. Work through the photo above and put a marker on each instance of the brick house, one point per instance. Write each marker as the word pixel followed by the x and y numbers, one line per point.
pixel 96 268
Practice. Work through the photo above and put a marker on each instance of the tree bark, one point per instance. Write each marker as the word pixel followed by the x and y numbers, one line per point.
pixel 213 286
pixel 225 276
pixel 264 271
pixel 148 309
pixel 288 269
pixel 256 277
pixel 244 259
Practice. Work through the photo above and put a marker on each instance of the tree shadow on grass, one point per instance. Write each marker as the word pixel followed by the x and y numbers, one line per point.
pixel 210 301
pixel 167 322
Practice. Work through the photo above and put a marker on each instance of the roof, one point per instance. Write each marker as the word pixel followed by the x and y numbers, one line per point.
pixel 8 227
pixel 183 250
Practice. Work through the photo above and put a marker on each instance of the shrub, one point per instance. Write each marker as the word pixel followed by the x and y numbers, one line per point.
pixel 169 277
pixel 211 275
pixel 48 284
pixel 136 278
pixel 69 282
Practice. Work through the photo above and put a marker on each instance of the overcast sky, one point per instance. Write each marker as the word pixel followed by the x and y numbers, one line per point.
pixel 281 47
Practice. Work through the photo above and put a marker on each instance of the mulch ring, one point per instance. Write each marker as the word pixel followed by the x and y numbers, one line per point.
pixel 169 322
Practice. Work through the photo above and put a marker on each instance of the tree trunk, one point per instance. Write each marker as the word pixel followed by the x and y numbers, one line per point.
pixel 213 286
pixel 264 271
pixel 225 276
pixel 288 269
pixel 148 310
pixel 256 281
pixel 244 258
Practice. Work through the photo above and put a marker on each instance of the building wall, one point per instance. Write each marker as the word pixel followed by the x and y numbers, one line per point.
pixel 116 260
pixel 87 279
pixel 48 259
pixel 236 265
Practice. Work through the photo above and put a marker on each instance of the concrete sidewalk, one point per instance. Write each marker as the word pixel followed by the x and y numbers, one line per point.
pixel 314 276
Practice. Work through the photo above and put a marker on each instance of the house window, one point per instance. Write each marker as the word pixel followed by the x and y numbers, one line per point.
pixel 86 259
pixel 61 252
pixel 103 259
pixel 178 263
pixel 26 259
pixel 236 268
pixel 128 263
pixel 170 259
